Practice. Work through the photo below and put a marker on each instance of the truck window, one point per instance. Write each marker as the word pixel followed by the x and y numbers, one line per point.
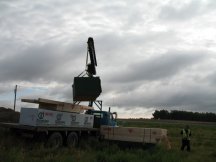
pixel 111 117
pixel 98 115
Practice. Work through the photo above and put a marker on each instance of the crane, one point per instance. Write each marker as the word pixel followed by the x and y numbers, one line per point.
pixel 87 87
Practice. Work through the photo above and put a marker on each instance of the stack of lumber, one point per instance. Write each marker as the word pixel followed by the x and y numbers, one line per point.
pixel 57 105
pixel 133 134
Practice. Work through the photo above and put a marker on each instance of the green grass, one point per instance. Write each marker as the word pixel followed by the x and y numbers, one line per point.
pixel 203 143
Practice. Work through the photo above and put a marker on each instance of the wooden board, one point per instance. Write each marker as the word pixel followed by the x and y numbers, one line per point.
pixel 57 105
pixel 133 134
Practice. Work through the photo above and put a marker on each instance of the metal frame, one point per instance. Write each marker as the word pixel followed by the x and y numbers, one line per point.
pixel 99 104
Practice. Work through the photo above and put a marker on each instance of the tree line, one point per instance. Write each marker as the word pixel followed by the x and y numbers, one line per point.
pixel 184 115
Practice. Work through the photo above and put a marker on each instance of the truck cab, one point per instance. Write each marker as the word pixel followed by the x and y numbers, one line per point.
pixel 103 118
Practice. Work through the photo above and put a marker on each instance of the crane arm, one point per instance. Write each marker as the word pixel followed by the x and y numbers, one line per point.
pixel 93 61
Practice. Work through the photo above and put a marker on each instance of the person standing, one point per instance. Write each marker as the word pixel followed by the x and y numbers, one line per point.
pixel 186 133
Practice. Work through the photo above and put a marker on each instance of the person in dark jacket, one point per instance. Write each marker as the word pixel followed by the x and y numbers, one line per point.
pixel 186 133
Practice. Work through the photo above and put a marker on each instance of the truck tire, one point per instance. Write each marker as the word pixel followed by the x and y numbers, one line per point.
pixel 72 139
pixel 55 140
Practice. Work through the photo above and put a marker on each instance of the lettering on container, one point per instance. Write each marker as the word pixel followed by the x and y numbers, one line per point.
pixel 41 115
pixel 73 120
pixel 48 114
pixel 32 117
pixel 40 119
pixel 88 121
pixel 58 120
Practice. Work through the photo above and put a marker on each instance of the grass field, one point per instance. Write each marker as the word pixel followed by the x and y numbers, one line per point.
pixel 203 143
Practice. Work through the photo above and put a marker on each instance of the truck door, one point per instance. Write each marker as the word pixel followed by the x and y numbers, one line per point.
pixel 112 119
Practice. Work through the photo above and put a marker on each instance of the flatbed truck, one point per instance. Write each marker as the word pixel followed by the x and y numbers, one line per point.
pixel 56 136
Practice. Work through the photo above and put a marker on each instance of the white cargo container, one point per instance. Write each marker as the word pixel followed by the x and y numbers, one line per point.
pixel 88 121
pixel 75 120
pixel 42 117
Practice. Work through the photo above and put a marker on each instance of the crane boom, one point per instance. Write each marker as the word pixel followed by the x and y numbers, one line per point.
pixel 93 61
pixel 91 50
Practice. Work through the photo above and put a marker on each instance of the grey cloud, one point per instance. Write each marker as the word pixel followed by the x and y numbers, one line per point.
pixel 159 67
pixel 211 4
pixel 129 15
pixel 46 63
pixel 116 46
pixel 181 12
pixel 27 66
pixel 63 93
pixel 211 78
pixel 5 87
pixel 193 98
pixel 38 21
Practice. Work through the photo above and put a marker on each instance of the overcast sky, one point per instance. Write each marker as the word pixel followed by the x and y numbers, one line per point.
pixel 151 54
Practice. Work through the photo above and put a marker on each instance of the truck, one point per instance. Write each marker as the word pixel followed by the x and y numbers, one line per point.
pixel 66 123
pixel 58 127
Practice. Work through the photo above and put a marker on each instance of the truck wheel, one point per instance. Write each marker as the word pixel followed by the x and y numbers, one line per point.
pixel 72 139
pixel 55 140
